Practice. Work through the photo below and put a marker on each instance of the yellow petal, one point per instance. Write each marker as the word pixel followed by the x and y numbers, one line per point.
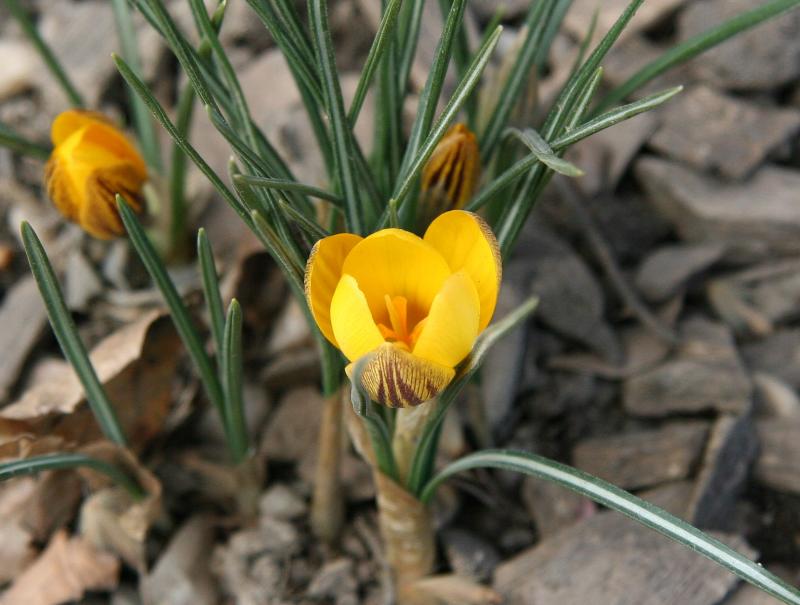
pixel 467 244
pixel 452 325
pixel 396 378
pixel 72 120
pixel 102 144
pixel 323 271
pixel 397 263
pixel 353 327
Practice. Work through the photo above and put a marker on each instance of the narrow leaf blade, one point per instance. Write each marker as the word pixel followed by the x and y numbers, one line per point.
pixel 629 505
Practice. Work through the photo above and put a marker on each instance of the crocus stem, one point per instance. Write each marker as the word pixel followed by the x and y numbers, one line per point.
pixel 405 522
pixel 409 423
pixel 250 479
pixel 327 505
pixel 407 532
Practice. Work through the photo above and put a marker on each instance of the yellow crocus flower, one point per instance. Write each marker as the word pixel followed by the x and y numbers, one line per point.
pixel 451 174
pixel 91 162
pixel 416 304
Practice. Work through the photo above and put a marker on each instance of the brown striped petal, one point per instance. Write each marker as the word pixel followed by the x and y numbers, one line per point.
pixel 396 378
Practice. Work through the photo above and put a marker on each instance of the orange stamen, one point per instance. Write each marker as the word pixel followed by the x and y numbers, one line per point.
pixel 398 333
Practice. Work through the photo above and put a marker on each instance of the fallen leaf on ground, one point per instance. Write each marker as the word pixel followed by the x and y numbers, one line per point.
pixel 63 572
pixel 136 364
pixel 182 575
pixel 110 518
pixel 22 319
pixel 447 590
pixel 16 548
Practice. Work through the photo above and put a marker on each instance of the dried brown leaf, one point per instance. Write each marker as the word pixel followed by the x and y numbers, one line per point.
pixel 64 571
pixel 447 590
pixel 22 319
pixel 110 519
pixel 136 364
pixel 16 550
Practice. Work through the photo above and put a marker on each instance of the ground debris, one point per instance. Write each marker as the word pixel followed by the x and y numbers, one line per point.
pixel 666 270
pixel 715 132
pixel 645 458
pixel 137 366
pixel 181 576
pixel 704 208
pixel 778 463
pixel 762 58
pixel 705 373
pixel 613 560
pixel 67 568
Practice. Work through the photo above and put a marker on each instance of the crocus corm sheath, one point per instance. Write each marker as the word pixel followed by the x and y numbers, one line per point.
pixel 91 162
pixel 414 304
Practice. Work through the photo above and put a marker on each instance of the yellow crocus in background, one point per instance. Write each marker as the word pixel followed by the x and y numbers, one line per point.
pixel 91 162
pixel 451 174
pixel 416 304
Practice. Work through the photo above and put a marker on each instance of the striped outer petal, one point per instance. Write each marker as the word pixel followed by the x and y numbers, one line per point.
pixel 454 167
pixel 467 243
pixel 323 272
pixel 61 188
pixel 99 215
pixel 398 379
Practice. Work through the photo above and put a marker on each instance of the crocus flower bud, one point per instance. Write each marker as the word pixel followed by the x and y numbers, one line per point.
pixel 91 162
pixel 451 174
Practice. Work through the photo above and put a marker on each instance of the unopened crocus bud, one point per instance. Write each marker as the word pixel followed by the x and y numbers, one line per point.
pixel 451 174
pixel 91 162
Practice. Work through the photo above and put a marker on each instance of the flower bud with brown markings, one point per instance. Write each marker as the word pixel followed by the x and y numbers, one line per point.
pixel 451 175
pixel 92 161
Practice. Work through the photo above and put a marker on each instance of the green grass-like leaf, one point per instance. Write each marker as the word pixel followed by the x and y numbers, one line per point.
pixel 286 185
pixel 46 53
pixel 49 462
pixel 178 311
pixel 542 151
pixel 126 32
pixel 385 33
pixel 224 67
pixel 343 149
pixel 18 143
pixel 615 116
pixel 67 336
pixel 629 505
pixel 182 51
pixel 455 103
pixel 422 465
pixel 231 364
pixel 429 97
pixel 566 111
pixel 606 120
pixel 300 60
pixel 211 291
pixel 313 230
pixel 536 23
pixel 696 45
pixel 407 41
pixel 179 138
